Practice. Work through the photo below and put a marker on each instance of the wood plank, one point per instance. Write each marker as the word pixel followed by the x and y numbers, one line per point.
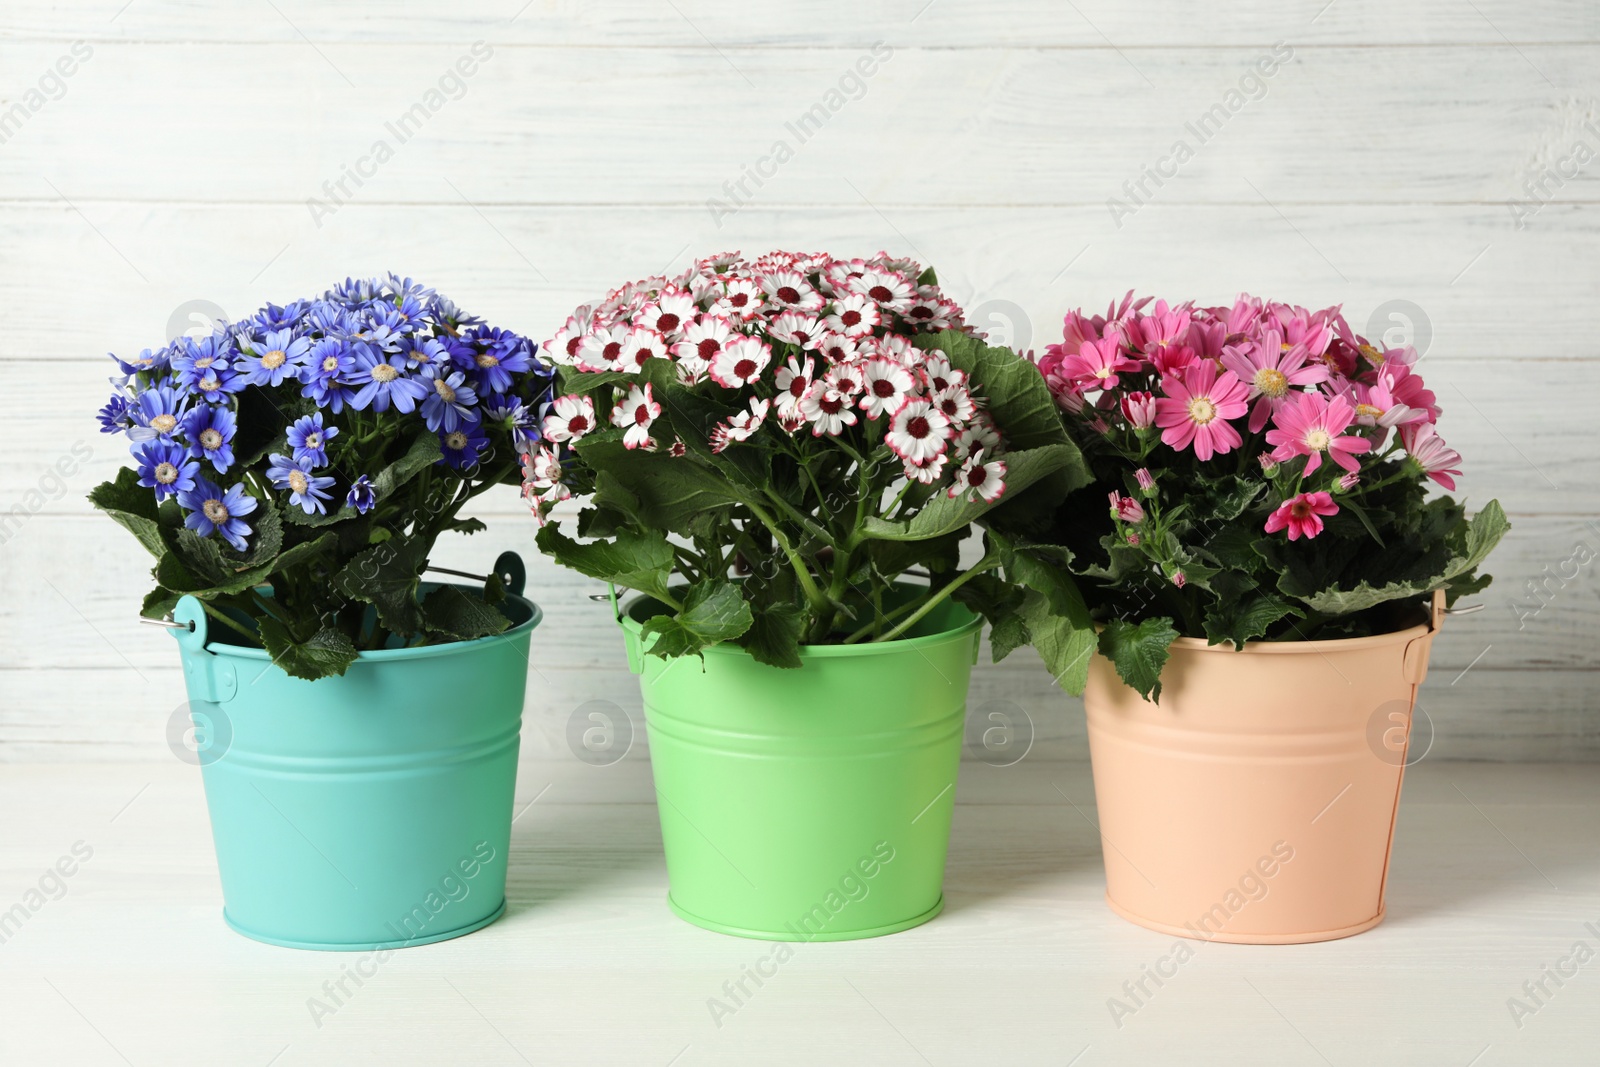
pixel 1016 269
pixel 636 24
pixel 1368 125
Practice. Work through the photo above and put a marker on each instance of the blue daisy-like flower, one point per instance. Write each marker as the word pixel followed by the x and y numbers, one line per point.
pixel 276 355
pixel 423 351
pixel 405 287
pixel 210 429
pixel 444 310
pixel 493 355
pixel 516 416
pixel 147 361
pixel 213 510
pixel 115 417
pixel 219 384
pixel 383 382
pixel 306 490
pixel 324 374
pixel 166 468
pixel 463 446
pixel 197 358
pixel 450 399
pixel 157 412
pixel 309 439
pixel 273 317
pixel 362 496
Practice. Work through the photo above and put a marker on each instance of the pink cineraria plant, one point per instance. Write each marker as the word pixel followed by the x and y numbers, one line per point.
pixel 1267 469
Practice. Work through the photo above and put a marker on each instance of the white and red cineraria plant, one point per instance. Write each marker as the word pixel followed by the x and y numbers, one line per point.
pixel 791 423
pixel 1267 470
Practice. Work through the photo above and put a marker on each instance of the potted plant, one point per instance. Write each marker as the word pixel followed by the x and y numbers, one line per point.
pixel 1267 581
pixel 768 449
pixel 291 474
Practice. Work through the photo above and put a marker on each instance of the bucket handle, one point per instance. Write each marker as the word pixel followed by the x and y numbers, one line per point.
pixel 508 567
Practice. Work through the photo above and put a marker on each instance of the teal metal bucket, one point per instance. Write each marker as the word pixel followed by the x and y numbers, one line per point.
pixel 367 811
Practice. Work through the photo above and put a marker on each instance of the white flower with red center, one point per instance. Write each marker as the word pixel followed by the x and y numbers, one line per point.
pixel 702 341
pixel 828 410
pixel 899 349
pixel 562 349
pixel 918 433
pixel 885 386
pixel 669 315
pixel 570 418
pixel 980 479
pixel 741 299
pixel 740 362
pixel 739 427
pixel 641 346
pixel 792 380
pixel 797 328
pixel 853 315
pixel 932 311
pixel 979 434
pixel 956 404
pixel 789 289
pixel 928 473
pixel 678 450
pixel 634 413
pixel 541 468
pixel 890 291
pixel 839 274
pixel 837 348
pixel 601 348
pixel 939 375
pixel 846 378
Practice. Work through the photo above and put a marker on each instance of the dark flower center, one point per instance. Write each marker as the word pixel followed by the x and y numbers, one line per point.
pixel 667 322
pixel 788 294
pixel 745 368
pixel 709 348
pixel 850 318
pixel 577 424
pixel 880 293
pixel 917 427
pixel 883 388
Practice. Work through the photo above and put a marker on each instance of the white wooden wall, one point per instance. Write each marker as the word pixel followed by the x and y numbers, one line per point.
pixel 1377 164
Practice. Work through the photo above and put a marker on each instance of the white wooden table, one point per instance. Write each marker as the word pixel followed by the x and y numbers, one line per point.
pixel 1497 870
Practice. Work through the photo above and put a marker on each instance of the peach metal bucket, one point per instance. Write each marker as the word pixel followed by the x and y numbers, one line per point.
pixel 1256 803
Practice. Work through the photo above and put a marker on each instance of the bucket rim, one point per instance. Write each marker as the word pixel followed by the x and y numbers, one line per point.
pixel 819 652
pixel 383 655
pixel 1285 648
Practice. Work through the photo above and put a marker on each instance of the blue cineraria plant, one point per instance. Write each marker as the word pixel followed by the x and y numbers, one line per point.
pixel 293 471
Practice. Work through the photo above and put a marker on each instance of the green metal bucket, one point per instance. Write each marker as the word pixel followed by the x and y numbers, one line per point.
pixel 810 804
pixel 367 811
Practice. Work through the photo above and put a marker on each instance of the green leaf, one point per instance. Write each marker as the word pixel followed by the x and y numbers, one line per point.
pixel 1139 652
pixel 133 507
pixel 1014 392
pixel 774 636
pixel 328 652
pixel 1236 621
pixel 386 576
pixel 998 601
pixel 1065 648
pixel 713 612
pixel 657 490
pixel 943 515
pixel 641 561
pixel 464 616
pixel 266 534
pixel 1482 533
pixel 159 603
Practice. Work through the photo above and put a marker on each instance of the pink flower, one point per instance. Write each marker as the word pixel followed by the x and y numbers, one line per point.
pixel 886 384
pixel 1302 515
pixel 1162 338
pixel 1271 371
pixel 1146 480
pixel 985 480
pixel 1139 408
pixel 827 409
pixel 1310 426
pixel 636 412
pixel 739 427
pixel 918 433
pixel 1179 579
pixel 1376 405
pixel 570 418
pixel 1097 364
pixel 740 362
pixel 1437 460
pixel 1196 410
pixel 1126 509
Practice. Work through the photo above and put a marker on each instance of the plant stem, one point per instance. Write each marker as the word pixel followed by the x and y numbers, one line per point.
pixel 987 563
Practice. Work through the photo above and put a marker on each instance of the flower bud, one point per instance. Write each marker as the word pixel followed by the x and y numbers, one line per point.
pixel 1139 408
